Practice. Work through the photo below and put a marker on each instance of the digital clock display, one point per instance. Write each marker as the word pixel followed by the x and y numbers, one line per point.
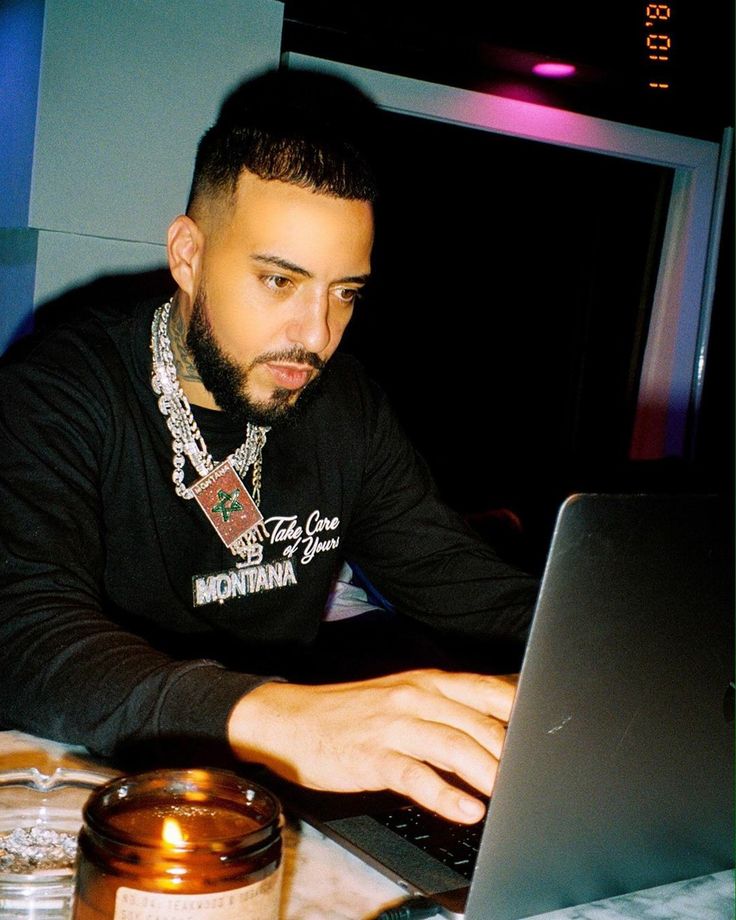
pixel 658 46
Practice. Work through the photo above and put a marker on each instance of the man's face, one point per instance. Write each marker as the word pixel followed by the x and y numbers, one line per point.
pixel 276 289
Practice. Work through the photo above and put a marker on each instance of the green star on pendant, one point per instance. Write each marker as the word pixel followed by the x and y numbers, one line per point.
pixel 227 504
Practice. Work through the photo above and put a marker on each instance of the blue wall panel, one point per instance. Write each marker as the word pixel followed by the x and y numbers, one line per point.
pixel 21 31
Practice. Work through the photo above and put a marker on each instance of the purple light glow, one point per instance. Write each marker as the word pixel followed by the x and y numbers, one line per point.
pixel 555 69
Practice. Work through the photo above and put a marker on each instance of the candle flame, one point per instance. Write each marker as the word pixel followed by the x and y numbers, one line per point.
pixel 172 833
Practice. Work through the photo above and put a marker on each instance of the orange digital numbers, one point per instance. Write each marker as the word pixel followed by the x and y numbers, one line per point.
pixel 658 47
pixel 658 12
pixel 657 43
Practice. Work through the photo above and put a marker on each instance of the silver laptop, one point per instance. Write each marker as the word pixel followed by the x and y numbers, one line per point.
pixel 617 771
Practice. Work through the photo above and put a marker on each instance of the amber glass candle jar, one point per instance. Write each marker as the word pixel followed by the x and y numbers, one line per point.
pixel 179 844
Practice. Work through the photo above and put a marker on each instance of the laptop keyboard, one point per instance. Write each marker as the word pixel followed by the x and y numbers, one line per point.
pixel 455 845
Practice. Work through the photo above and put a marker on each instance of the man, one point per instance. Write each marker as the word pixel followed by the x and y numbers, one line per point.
pixel 181 486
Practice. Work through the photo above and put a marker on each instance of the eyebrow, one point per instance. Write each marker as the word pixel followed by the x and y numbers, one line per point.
pixel 269 259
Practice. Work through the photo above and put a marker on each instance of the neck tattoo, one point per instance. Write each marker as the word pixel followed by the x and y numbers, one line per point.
pixel 185 366
pixel 220 491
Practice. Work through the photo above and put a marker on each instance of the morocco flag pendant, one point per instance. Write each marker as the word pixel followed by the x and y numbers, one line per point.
pixel 226 502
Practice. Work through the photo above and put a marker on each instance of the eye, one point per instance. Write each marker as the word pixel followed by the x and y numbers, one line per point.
pixel 276 283
pixel 347 295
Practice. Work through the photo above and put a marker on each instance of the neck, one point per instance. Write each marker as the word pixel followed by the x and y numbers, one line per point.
pixel 186 371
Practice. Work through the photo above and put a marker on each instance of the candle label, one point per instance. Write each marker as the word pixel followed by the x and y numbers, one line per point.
pixel 259 901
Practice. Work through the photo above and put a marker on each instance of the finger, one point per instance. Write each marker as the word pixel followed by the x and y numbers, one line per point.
pixel 419 782
pixel 451 750
pixel 427 705
pixel 489 694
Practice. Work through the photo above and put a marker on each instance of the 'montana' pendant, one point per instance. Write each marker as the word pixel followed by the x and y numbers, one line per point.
pixel 226 502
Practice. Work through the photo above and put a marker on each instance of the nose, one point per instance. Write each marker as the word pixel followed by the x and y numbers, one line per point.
pixel 310 326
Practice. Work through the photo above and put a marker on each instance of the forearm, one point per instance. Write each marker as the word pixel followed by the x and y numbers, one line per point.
pixel 421 555
pixel 71 674
pixel 433 568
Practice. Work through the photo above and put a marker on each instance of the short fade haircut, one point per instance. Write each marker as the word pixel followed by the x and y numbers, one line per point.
pixel 301 127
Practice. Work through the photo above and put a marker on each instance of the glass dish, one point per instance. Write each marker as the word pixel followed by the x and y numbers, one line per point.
pixel 40 818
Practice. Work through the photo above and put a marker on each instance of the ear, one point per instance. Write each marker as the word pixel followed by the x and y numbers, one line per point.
pixel 185 246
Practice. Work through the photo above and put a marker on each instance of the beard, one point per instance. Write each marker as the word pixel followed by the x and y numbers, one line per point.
pixel 227 381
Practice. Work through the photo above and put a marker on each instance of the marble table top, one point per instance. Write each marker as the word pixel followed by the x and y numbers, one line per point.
pixel 327 883
pixel 324 882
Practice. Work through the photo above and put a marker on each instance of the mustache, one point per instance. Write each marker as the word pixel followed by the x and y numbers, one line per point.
pixel 295 355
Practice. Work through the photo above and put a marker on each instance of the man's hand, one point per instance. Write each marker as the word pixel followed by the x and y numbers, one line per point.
pixel 386 733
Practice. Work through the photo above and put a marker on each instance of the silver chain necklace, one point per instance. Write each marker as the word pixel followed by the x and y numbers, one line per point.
pixel 239 524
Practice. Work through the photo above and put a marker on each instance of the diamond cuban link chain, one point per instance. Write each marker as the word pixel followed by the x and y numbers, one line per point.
pixel 186 438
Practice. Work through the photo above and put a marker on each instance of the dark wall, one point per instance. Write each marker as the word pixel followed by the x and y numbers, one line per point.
pixel 508 314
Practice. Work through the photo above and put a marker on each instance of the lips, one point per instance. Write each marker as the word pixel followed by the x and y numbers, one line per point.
pixel 290 376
